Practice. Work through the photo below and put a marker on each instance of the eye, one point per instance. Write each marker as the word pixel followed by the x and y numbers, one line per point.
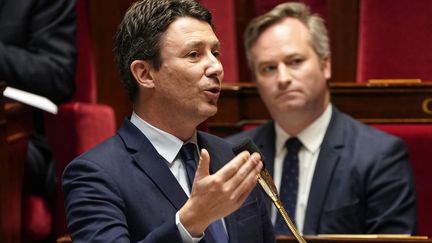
pixel 296 62
pixel 216 53
pixel 193 54
pixel 268 69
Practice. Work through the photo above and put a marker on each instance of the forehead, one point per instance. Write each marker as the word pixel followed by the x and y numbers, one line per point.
pixel 287 32
pixel 188 31
pixel 287 37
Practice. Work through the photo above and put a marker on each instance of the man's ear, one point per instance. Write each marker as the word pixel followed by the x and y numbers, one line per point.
pixel 326 66
pixel 141 71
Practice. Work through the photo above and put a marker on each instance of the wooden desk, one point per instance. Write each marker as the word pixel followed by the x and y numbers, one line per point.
pixel 15 128
pixel 241 104
pixel 313 239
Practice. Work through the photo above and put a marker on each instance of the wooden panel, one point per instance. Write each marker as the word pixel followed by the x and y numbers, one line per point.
pixel 358 239
pixel 311 239
pixel 104 19
pixel 240 104
pixel 15 129
pixel 385 103
pixel 343 32
pixel 243 13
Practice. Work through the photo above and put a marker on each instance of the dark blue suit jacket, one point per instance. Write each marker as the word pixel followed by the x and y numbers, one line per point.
pixel 122 191
pixel 362 181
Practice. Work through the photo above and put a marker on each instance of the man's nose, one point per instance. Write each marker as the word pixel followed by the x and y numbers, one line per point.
pixel 214 67
pixel 284 76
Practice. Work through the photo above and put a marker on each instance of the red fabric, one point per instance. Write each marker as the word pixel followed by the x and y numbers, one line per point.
pixel 247 127
pixel 85 78
pixel 224 21
pixel 81 123
pixel 63 133
pixel 37 219
pixel 394 40
pixel 78 127
pixel 418 138
pixel 75 129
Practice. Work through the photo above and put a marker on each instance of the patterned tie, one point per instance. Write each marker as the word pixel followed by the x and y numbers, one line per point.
pixel 289 185
pixel 188 155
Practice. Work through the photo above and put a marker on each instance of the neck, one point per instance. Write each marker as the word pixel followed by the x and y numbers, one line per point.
pixel 295 122
pixel 180 126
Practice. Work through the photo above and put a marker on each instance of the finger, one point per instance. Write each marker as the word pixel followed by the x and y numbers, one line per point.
pixel 246 183
pixel 231 168
pixel 203 165
pixel 245 169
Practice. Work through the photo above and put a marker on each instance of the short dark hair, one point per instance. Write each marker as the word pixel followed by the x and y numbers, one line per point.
pixel 140 33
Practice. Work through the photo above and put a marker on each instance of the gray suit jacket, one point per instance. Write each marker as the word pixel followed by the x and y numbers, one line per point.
pixel 362 182
pixel 123 191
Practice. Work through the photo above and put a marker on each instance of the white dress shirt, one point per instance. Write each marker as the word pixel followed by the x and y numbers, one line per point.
pixel 168 146
pixel 311 138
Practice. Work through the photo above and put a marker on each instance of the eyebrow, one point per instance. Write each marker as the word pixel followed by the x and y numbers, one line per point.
pixel 287 57
pixel 214 44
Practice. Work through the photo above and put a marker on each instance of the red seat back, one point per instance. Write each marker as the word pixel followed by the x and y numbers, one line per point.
pixel 81 123
pixel 394 40
pixel 418 138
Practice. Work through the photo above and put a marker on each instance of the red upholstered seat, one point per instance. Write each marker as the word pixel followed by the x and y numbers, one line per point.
pixel 82 123
pixel 418 138
pixel 78 126
pixel 394 40
pixel 37 221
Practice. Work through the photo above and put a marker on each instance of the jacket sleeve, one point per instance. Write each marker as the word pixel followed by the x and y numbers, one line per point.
pixel 41 57
pixel 96 211
pixel 390 193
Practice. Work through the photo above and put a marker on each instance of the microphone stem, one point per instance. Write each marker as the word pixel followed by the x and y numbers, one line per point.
pixel 270 191
pixel 288 221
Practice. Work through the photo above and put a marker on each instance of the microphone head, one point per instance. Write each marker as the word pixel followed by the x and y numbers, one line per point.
pixel 248 145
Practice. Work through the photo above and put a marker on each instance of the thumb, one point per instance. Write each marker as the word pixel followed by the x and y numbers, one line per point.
pixel 203 165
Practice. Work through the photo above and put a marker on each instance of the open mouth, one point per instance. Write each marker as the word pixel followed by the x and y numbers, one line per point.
pixel 212 93
pixel 214 90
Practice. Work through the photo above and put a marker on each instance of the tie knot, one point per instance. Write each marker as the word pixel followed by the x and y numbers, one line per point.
pixel 187 152
pixel 293 145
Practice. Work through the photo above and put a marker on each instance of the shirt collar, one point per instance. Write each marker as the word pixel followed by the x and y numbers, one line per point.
pixel 311 137
pixel 166 144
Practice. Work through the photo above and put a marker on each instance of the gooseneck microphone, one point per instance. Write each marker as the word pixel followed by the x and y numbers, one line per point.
pixel 266 182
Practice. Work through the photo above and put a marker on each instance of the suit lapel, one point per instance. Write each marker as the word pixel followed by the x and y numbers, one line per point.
pixel 327 161
pixel 152 164
pixel 265 140
pixel 155 167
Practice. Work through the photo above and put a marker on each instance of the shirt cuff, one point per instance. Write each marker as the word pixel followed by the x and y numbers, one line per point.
pixel 186 237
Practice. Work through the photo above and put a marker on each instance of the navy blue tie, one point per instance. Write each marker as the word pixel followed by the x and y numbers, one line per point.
pixel 289 185
pixel 188 155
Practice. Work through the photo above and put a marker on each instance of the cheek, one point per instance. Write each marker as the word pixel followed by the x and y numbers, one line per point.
pixel 264 87
pixel 267 91
pixel 317 84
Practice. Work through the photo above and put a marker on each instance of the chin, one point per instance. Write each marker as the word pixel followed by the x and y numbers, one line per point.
pixel 208 111
pixel 291 107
